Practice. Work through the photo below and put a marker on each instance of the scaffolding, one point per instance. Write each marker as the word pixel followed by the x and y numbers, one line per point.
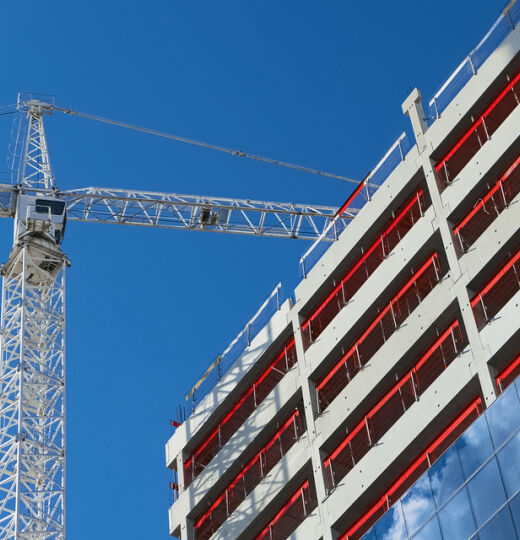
pixel 251 475
pixel 240 412
pixel 411 294
pixel 363 268
pixel 497 292
pixel 508 374
pixel 292 513
pixel 480 131
pixel 488 208
pixel 393 405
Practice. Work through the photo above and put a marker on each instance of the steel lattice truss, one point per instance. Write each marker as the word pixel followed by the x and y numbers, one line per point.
pixel 192 212
pixel 32 362
pixel 35 169
pixel 32 406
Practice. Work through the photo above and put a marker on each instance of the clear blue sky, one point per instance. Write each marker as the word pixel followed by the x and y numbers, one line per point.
pixel 317 83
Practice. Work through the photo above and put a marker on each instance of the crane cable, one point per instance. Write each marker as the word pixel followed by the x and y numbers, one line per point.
pixel 230 151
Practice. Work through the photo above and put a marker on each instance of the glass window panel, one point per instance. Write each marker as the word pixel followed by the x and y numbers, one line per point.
pixel 370 535
pixel 446 476
pixel 418 504
pixel 474 446
pixel 431 531
pixel 515 511
pixel 504 416
pixel 456 518
pixel 391 525
pixel 486 492
pixel 509 462
pixel 501 526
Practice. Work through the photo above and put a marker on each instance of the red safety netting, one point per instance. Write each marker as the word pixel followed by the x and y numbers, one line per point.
pixel 250 476
pixel 487 208
pixel 480 131
pixel 293 512
pixel 239 413
pixel 493 297
pixel 508 374
pixel 414 471
pixel 393 405
pixel 360 271
pixel 411 294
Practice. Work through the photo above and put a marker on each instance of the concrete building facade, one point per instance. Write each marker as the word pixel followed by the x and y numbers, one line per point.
pixel 399 337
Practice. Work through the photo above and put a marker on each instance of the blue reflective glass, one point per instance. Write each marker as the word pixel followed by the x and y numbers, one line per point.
pixel 431 531
pixel 456 518
pixel 504 416
pixel 446 476
pixel 474 446
pixel 418 504
pixel 486 492
pixel 370 535
pixel 515 511
pixel 501 526
pixel 391 525
pixel 509 462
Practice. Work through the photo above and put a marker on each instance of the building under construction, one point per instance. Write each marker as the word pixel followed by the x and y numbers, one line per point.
pixel 380 401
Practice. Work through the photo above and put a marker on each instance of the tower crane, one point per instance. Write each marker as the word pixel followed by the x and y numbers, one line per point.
pixel 32 364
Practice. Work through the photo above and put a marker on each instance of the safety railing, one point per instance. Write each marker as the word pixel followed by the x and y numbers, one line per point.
pixel 240 412
pixel 396 228
pixel 235 349
pixel 359 198
pixel 411 294
pixel 393 405
pixel 173 490
pixel 250 476
pixel 478 134
pixel 292 513
pixel 508 374
pixel 414 471
pixel 472 63
pixel 488 208
pixel 494 296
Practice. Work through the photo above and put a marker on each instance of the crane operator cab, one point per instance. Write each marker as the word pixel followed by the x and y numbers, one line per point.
pixel 39 230
pixel 43 217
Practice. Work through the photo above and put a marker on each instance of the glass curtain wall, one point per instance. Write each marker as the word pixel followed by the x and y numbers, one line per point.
pixel 472 490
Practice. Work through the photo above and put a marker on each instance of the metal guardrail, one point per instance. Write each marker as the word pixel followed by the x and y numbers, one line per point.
pixel 372 182
pixel 224 361
pixel 472 63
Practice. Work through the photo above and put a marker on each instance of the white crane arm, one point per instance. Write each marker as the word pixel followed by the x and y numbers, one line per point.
pixel 194 212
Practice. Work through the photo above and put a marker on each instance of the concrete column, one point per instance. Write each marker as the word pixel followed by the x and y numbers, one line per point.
pixel 480 355
pixel 308 399
pixel 412 107
pixel 180 472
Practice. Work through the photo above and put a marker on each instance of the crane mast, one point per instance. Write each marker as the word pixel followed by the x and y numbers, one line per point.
pixel 32 368
pixel 32 328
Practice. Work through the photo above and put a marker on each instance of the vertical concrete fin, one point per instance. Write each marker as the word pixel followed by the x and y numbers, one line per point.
pixel 412 107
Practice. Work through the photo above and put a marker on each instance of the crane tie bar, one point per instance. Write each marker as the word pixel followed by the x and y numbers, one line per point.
pixel 230 151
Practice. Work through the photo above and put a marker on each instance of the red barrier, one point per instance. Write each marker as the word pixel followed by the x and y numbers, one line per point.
pixel 494 296
pixel 488 208
pixel 481 129
pixel 293 512
pixel 239 413
pixel 393 405
pixel 411 294
pixel 250 476
pixel 508 374
pixel 363 268
pixel 414 471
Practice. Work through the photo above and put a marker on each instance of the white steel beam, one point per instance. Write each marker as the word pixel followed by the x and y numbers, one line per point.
pixel 195 212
